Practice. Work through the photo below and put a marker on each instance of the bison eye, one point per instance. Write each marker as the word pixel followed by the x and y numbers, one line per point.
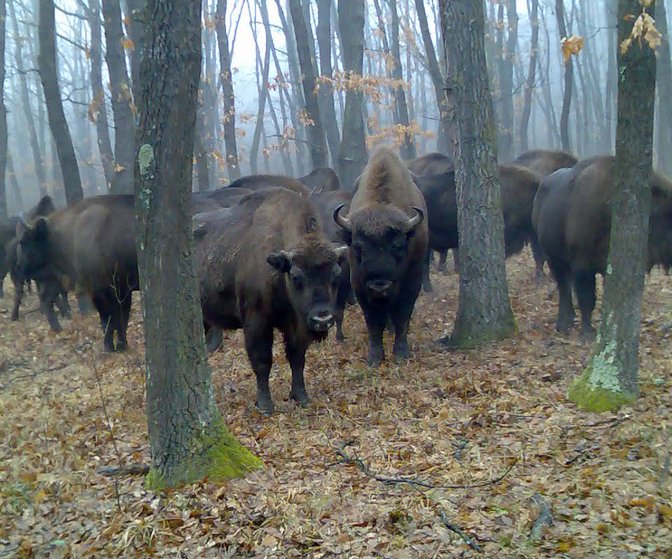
pixel 298 282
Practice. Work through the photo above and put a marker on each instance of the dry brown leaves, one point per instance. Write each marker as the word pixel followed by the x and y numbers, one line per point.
pixel 445 418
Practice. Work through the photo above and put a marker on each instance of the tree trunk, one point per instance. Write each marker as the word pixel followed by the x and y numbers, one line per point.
pixel 326 92
pixel 569 79
pixel 352 155
pixel 663 122
pixel 135 26
pixel 484 311
pixel 230 143
pixel 505 143
pixel 46 60
pixel 200 153
pixel 612 78
pixel 316 139
pixel 97 109
pixel 3 115
pixel 407 149
pixel 531 76
pixel 122 99
pixel 188 438
pixel 38 153
pixel 610 378
pixel 262 84
pixel 445 137
pixel 16 189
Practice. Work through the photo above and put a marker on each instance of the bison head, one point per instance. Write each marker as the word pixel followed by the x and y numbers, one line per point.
pixel 32 251
pixel 312 276
pixel 379 239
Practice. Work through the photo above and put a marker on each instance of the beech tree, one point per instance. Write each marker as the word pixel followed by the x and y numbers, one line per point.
pixel 188 438
pixel 568 80
pixel 484 311
pixel 3 114
pixel 60 131
pixel 610 378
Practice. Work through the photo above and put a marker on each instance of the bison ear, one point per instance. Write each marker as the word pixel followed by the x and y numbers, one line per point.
pixel 41 229
pixel 281 261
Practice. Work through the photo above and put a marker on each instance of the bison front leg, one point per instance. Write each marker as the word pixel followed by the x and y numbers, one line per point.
pixel 441 266
pixel 565 306
pixel 104 305
pixel 123 313
pixel 49 292
pixel 376 319
pixel 259 346
pixel 426 281
pixel 296 355
pixel 214 337
pixel 63 304
pixel 584 285
pixel 18 295
pixel 401 317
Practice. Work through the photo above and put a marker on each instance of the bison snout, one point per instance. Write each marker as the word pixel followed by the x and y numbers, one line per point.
pixel 379 288
pixel 321 320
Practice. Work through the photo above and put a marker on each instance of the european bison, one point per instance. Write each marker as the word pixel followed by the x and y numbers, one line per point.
pixel 322 179
pixel 263 182
pixel 518 188
pixel 572 216
pixel 543 162
pixel 431 164
pixel 387 234
pixel 90 244
pixel 266 264
pixel 222 197
pixel 326 202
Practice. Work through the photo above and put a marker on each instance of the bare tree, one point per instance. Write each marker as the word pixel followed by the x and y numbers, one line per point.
pixel 569 79
pixel 59 126
pixel 326 92
pixel 664 93
pixel 484 311
pixel 505 143
pixel 3 114
pixel 316 139
pixel 188 438
pixel 531 75
pixel 610 378
pixel 352 156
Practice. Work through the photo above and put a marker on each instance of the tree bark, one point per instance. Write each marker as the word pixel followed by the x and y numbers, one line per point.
pixel 610 378
pixel 445 136
pixel 38 153
pixel 3 114
pixel 612 78
pixel 122 99
pixel 97 108
pixel 484 311
pixel 316 139
pixel 568 81
pixel 352 155
pixel 505 143
pixel 46 60
pixel 188 438
pixel 663 122
pixel 136 30
pixel 407 149
pixel 531 76
pixel 230 143
pixel 326 91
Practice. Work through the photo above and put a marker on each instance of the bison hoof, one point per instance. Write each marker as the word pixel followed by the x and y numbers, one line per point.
pixel 15 317
pixel 401 353
pixel 375 359
pixel 264 404
pixel 300 397
pixel 588 334
pixel 121 346
pixel 427 288
pixel 340 338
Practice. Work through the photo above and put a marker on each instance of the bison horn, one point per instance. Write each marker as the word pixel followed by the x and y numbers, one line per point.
pixel 342 221
pixel 417 219
pixel 22 219
pixel 340 251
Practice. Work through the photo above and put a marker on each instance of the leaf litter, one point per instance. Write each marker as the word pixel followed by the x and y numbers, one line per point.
pixel 493 460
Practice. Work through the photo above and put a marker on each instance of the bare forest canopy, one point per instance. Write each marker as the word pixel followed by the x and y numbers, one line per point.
pixel 271 122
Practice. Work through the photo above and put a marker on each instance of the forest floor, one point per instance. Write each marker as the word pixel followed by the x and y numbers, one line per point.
pixel 462 454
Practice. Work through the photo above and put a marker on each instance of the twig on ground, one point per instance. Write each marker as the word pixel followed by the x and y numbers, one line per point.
pixel 470 541
pixel 364 468
pixel 129 470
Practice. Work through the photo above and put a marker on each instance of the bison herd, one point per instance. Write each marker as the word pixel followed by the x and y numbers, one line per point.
pixel 273 252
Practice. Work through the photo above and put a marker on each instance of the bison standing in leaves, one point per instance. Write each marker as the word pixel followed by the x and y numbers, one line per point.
pixel 387 234
pixel 266 264
pixel 434 163
pixel 572 216
pixel 322 179
pixel 264 182
pixel 90 244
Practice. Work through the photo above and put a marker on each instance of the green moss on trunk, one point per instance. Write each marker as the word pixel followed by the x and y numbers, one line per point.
pixel 216 456
pixel 473 339
pixel 591 397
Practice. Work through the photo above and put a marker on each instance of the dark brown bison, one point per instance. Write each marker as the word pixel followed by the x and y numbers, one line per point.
pixel 431 164
pixel 263 182
pixel 221 198
pixel 266 264
pixel 543 162
pixel 90 244
pixel 572 216
pixel 518 188
pixel 387 234
pixel 8 233
pixel 326 203
pixel 321 179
